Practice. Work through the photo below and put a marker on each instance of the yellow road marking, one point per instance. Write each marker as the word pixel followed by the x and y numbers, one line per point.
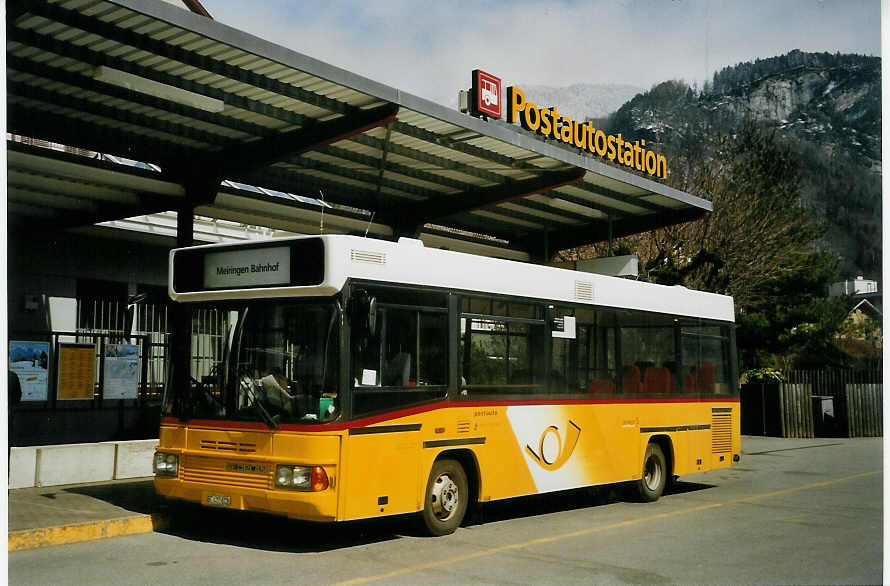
pixel 34 538
pixel 592 530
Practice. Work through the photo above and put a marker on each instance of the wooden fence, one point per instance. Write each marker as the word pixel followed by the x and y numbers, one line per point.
pixel 826 403
pixel 865 406
pixel 796 413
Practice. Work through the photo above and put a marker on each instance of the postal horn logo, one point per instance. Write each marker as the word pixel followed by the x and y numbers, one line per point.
pixel 552 453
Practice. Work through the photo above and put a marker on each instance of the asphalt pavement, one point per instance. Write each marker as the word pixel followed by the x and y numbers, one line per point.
pixel 789 469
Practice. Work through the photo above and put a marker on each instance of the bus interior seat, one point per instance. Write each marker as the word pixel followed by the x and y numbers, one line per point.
pixel 705 377
pixel 688 383
pixel 657 380
pixel 599 386
pixel 397 370
pixel 630 381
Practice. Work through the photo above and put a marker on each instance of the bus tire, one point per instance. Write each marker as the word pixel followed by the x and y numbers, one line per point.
pixel 446 498
pixel 651 484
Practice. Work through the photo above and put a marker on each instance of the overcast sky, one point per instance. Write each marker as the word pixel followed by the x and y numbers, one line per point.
pixel 430 48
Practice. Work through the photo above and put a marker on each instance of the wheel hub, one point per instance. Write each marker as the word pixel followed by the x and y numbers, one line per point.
pixel 445 497
pixel 652 474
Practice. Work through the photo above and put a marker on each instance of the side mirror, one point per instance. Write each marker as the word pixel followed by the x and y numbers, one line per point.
pixel 363 312
pixel 372 316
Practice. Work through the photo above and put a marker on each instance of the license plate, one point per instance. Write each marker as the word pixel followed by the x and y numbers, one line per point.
pixel 218 500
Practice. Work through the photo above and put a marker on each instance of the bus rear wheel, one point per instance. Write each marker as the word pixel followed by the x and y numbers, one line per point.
pixel 446 499
pixel 655 474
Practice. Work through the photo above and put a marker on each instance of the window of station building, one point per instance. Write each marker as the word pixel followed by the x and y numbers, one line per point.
pixel 101 306
pixel 503 348
pixel 405 362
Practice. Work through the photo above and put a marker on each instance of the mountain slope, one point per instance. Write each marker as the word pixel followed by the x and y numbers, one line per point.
pixel 826 106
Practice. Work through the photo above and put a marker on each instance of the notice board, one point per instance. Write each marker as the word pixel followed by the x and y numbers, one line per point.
pixel 77 371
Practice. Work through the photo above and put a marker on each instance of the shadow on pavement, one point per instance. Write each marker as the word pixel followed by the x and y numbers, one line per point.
pixel 580 498
pixel 138 497
pixel 274 533
pixel 680 487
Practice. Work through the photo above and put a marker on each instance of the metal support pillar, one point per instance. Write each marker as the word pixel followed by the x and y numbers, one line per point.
pixel 181 334
pixel 610 237
pixel 538 248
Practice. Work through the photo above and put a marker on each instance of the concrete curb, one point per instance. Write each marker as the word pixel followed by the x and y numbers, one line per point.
pixel 64 534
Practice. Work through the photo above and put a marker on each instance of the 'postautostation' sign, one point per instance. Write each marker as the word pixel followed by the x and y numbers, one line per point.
pixel 487 100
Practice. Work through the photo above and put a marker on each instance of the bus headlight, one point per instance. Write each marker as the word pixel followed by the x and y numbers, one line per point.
pixel 166 464
pixel 309 478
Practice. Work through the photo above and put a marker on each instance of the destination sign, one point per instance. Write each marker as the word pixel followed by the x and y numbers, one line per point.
pixel 257 267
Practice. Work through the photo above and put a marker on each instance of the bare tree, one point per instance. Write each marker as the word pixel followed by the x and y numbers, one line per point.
pixel 756 233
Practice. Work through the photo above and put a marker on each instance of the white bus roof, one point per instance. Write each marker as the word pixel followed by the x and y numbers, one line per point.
pixel 409 262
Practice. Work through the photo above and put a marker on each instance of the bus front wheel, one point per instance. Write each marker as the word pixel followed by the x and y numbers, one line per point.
pixel 655 474
pixel 447 496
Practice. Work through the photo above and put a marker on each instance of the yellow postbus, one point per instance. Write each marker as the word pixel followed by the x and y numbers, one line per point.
pixel 337 378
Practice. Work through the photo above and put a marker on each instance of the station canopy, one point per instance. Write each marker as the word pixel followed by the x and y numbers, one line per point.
pixel 216 112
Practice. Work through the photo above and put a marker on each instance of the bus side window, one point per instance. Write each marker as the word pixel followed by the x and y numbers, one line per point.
pixel 563 351
pixel 406 361
pixel 503 355
pixel 597 353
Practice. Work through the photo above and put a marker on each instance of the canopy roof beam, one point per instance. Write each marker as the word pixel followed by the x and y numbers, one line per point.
pixel 203 62
pixel 622 197
pixel 408 220
pixel 463 147
pixel 335 191
pixel 40 124
pixel 598 231
pixel 95 58
pixel 244 158
pixel 77 80
pixel 147 123
pixel 458 185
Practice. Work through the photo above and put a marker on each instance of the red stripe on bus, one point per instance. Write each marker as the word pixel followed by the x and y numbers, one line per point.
pixel 257 425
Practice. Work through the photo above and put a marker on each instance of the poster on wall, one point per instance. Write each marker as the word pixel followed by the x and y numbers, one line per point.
pixel 29 361
pixel 121 371
pixel 77 371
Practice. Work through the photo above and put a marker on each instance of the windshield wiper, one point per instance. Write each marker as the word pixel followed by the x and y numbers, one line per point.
pixel 248 385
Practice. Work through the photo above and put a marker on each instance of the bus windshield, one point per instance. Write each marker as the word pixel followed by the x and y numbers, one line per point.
pixel 272 361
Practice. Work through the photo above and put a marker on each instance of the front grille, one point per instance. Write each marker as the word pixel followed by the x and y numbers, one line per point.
pixel 235 447
pixel 721 432
pixel 246 474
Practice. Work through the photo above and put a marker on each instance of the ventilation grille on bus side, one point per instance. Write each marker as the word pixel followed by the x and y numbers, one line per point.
pixel 583 291
pixel 237 447
pixel 721 432
pixel 368 257
pixel 463 426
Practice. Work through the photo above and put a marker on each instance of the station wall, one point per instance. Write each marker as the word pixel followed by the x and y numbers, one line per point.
pixel 57 265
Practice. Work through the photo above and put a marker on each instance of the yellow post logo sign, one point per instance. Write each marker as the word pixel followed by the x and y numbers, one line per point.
pixel 550 123
pixel 552 453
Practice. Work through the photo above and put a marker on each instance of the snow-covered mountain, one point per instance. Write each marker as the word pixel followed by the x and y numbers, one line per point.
pixel 582 100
